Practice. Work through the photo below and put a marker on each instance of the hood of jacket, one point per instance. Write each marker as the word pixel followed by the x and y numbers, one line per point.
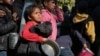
pixel 80 17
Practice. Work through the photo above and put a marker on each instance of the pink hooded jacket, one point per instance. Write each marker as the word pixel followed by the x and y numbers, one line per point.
pixel 49 16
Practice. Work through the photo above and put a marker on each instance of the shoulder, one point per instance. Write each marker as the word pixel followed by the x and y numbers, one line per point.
pixel 46 16
pixel 29 23
pixel 44 12
pixel 89 19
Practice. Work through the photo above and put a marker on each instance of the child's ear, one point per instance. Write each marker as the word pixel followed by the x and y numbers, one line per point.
pixel 29 17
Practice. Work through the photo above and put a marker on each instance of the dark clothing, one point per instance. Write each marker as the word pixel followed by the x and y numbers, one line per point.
pixel 96 17
pixel 18 8
pixel 33 34
pixel 43 29
pixel 81 27
pixel 26 48
pixel 65 28
pixel 64 41
pixel 65 44
pixel 7 25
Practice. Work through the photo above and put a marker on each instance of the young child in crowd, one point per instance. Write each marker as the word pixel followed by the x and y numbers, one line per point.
pixel 33 16
pixel 48 15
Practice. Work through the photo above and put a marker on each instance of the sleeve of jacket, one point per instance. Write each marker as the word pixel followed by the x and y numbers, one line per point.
pixel 26 34
pixel 18 7
pixel 59 15
pixel 6 28
pixel 80 37
pixel 90 30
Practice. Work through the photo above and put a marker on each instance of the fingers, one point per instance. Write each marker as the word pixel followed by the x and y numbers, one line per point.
pixel 2 13
pixel 15 18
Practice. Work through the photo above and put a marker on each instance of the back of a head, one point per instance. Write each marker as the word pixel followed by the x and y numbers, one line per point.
pixel 45 1
pixel 82 7
pixel 64 8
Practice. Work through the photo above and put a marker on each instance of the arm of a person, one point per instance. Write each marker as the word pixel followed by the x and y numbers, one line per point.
pixel 26 34
pixel 80 36
pixel 2 13
pixel 90 30
pixel 18 7
pixel 59 15
pixel 6 28
pixel 45 17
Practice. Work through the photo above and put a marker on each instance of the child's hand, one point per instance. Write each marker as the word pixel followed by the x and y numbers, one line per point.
pixel 2 13
pixel 15 18
pixel 85 45
pixel 45 39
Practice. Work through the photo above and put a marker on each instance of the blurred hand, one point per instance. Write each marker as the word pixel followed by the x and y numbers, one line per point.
pixel 85 45
pixel 2 13
pixel 15 18
pixel 45 39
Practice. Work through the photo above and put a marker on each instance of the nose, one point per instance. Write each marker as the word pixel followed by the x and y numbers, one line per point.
pixel 39 14
pixel 54 4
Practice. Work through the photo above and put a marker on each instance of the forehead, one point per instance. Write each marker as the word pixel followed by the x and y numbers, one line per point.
pixel 48 0
pixel 36 9
pixel 51 1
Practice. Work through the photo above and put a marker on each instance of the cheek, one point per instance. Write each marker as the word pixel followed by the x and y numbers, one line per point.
pixel 52 5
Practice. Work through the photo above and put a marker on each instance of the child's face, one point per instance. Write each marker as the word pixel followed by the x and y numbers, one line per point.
pixel 36 15
pixel 50 5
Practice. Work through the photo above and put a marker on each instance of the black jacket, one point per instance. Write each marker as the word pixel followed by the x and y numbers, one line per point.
pixel 7 25
pixel 43 29
pixel 18 7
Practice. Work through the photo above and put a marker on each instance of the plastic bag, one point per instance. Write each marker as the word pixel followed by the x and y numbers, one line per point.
pixel 86 52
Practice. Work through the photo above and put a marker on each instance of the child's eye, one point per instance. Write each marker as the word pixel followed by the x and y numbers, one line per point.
pixel 53 2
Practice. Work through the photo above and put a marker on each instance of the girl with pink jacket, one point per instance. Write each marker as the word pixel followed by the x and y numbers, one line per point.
pixel 48 15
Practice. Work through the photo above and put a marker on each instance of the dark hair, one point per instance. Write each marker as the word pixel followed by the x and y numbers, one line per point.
pixel 64 8
pixel 45 1
pixel 29 10
pixel 82 7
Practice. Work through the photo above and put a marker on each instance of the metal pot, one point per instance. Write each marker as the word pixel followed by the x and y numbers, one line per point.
pixel 50 48
pixel 13 39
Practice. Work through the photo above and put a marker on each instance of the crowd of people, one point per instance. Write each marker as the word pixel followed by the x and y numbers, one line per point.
pixel 78 29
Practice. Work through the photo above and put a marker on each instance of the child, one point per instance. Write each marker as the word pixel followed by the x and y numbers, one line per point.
pixel 47 15
pixel 33 16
